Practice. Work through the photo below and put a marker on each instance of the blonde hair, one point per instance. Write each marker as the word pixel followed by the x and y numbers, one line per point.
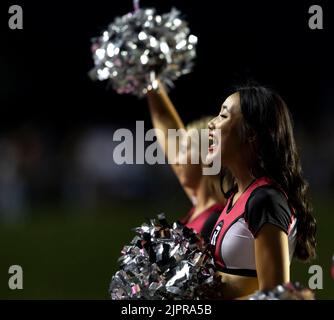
pixel 213 182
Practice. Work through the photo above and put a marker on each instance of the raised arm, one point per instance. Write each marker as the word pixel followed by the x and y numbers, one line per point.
pixel 164 116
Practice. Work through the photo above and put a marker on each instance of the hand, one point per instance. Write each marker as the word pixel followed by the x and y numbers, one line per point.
pixel 211 291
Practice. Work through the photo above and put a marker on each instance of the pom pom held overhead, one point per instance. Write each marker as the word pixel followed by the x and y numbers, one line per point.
pixel 142 46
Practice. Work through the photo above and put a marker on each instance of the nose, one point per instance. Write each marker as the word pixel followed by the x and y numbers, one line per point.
pixel 211 124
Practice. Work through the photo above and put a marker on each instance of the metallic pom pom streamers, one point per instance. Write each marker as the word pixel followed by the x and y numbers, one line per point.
pixel 162 262
pixel 141 46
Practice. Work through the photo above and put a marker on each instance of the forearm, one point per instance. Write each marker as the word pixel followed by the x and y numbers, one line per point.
pixel 163 113
pixel 164 116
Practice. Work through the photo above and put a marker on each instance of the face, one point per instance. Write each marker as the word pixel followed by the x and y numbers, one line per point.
pixel 189 174
pixel 223 131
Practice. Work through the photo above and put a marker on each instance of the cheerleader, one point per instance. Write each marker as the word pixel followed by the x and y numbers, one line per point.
pixel 267 219
pixel 203 191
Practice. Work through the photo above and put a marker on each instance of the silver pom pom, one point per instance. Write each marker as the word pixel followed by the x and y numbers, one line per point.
pixel 163 262
pixel 142 46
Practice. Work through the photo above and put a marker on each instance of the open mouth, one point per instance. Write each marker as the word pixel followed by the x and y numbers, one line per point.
pixel 213 141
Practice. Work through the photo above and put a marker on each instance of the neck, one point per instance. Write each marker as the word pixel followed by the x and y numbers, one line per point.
pixel 242 176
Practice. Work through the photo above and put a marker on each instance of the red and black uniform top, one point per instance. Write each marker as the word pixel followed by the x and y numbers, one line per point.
pixel 232 239
pixel 205 221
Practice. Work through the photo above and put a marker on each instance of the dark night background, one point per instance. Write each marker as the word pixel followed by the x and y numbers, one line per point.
pixel 64 214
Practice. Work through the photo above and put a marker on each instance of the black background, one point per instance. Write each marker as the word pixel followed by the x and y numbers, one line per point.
pixel 44 67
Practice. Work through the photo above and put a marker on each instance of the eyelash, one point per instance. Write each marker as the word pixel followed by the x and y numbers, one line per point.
pixel 223 116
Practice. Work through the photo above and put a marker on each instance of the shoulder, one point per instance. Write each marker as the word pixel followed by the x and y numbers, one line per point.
pixel 267 204
pixel 266 195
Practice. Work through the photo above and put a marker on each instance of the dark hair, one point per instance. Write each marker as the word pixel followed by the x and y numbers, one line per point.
pixel 268 129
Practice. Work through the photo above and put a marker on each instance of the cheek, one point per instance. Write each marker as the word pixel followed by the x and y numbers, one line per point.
pixel 225 138
pixel 229 145
pixel 232 144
